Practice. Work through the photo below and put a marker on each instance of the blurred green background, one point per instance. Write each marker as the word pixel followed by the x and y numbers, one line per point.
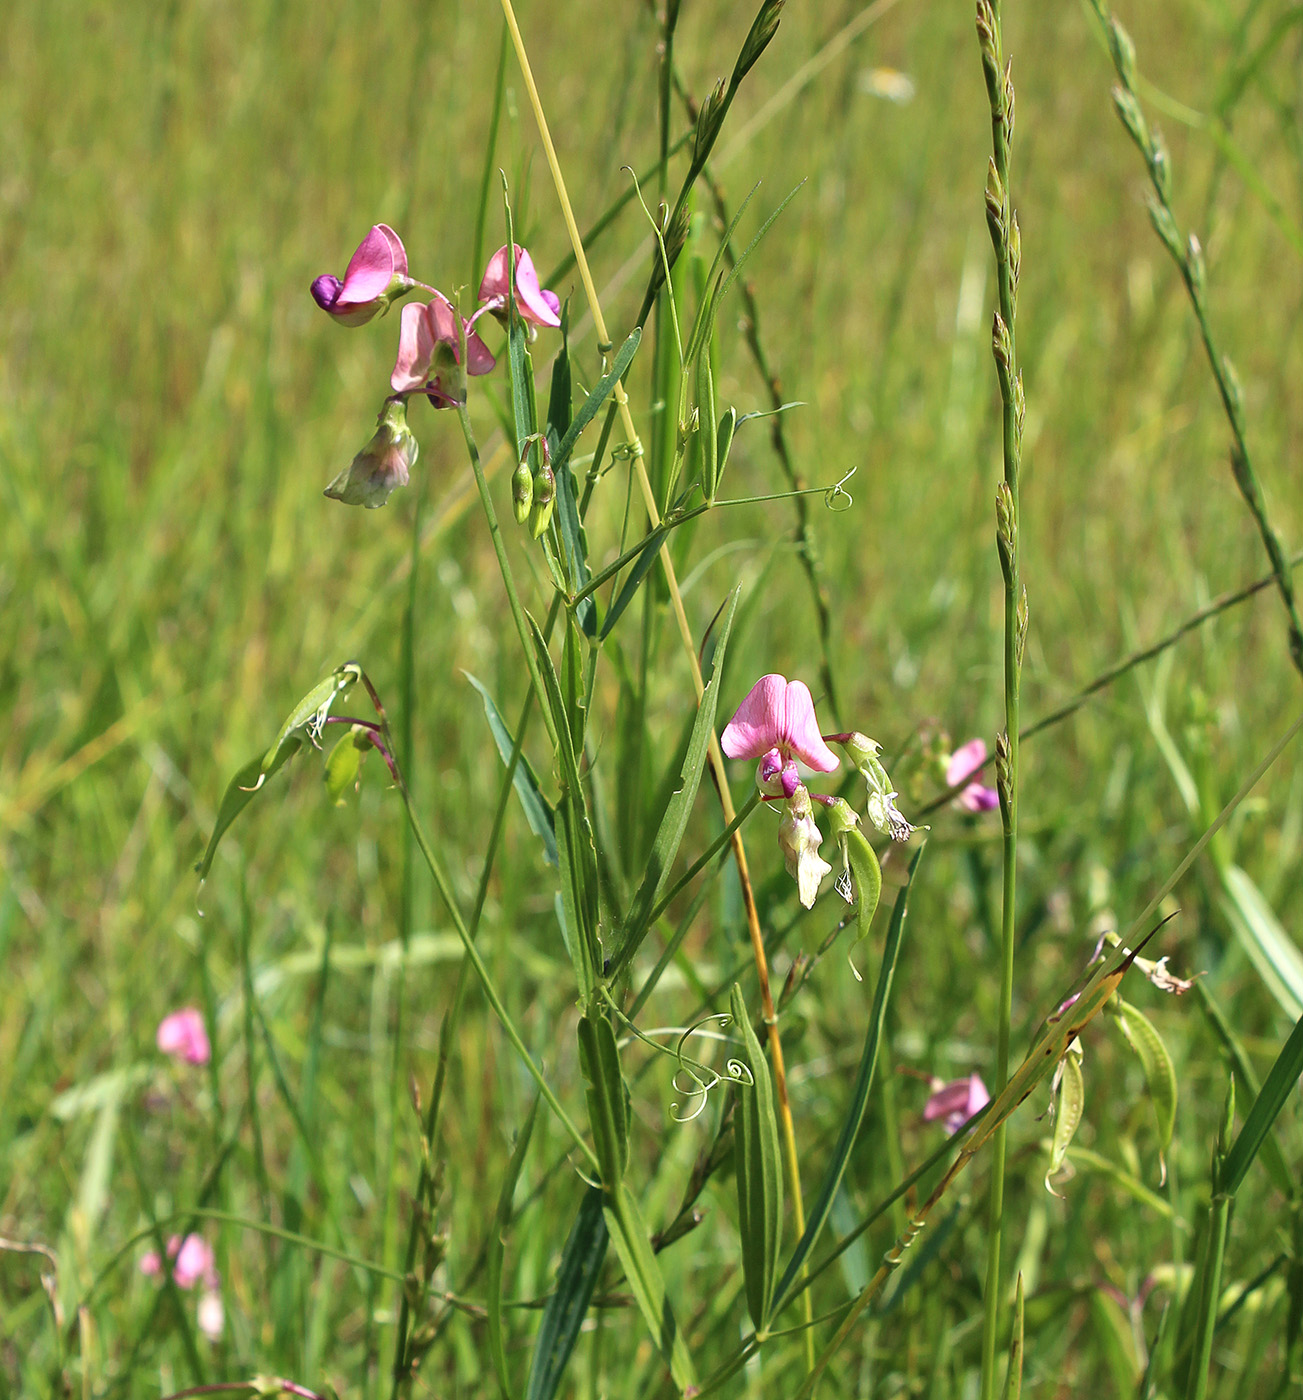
pixel 171 580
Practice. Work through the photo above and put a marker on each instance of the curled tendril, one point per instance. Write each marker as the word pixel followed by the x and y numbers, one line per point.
pixel 700 1078
pixel 837 497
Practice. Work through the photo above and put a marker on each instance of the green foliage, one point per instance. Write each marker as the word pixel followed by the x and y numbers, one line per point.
pixel 171 405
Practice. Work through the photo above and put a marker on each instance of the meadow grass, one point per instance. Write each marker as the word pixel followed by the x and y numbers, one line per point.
pixel 171 405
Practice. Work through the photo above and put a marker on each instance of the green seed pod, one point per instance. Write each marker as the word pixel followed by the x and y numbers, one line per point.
pixel 540 515
pixel 522 492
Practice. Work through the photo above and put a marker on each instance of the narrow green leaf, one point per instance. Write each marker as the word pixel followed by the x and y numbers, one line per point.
pixel 758 1171
pixel 608 1104
pixel 841 1156
pixel 524 406
pixel 497 1250
pixel 675 821
pixel 538 812
pixel 1160 1073
pixel 643 1274
pixel 1270 949
pixel 1068 1104
pixel 240 791
pixel 581 1263
pixel 1276 1088
pixel 1013 1379
pixel 707 426
pixel 633 580
pixel 305 720
pixel 728 421
pixel 1273 1156
pixel 572 683
pixel 598 396
pixel 568 767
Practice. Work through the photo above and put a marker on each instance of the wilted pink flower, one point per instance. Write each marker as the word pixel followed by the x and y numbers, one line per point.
pixel 956 1102
pixel 536 306
pixel 193 1261
pixel 376 274
pixel 967 759
pixel 382 465
pixel 776 723
pixel 428 353
pixel 183 1036
pixel 799 839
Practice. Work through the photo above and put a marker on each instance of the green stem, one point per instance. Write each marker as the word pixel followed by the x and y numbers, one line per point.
pixel 1003 226
pixel 444 886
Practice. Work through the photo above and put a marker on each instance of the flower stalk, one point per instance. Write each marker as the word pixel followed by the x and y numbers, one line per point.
pixel 715 757
pixel 1002 224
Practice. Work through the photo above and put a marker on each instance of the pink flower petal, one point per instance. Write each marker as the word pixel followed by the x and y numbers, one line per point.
pixel 965 760
pixel 756 727
pixel 530 297
pixel 415 349
pixel 800 730
pixel 536 306
pixel 150 1263
pixel 976 798
pixel 371 269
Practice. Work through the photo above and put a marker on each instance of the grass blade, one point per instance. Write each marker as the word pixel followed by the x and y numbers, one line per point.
pixel 497 1249
pixel 601 391
pixel 1276 1088
pixel 581 1263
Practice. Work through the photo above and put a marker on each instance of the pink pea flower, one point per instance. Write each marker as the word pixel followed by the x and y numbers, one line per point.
pixel 965 760
pixel 536 306
pixel 956 1102
pixel 776 724
pixel 428 359
pixel 192 1261
pixel 376 274
pixel 183 1036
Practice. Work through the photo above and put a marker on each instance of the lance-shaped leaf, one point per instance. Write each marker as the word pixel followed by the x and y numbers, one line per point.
pixel 1280 1082
pixel 643 1274
pixel 305 721
pixel 594 401
pixel 581 1263
pixel 758 1171
pixel 524 781
pixel 675 821
pixel 863 1083
pixel 1160 1073
pixel 608 1103
pixel 497 1251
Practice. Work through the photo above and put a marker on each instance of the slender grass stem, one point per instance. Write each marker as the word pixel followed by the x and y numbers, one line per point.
pixel 1003 225
pixel 1189 259
pixel 715 755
